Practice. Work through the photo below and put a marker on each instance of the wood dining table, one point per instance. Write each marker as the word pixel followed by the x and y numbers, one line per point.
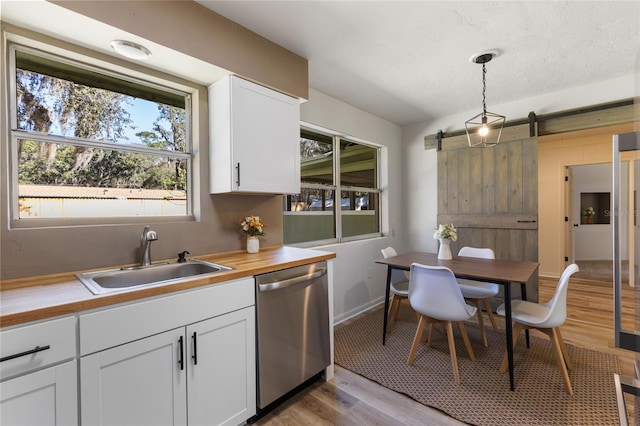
pixel 502 272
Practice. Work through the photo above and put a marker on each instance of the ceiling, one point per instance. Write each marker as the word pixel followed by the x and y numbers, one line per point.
pixel 406 62
pixel 409 61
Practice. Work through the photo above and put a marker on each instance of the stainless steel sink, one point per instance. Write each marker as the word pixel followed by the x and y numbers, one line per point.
pixel 114 280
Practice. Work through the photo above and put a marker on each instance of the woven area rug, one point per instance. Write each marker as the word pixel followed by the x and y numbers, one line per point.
pixel 484 397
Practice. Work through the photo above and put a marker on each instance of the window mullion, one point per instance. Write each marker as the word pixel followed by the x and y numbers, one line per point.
pixel 360 189
pixel 337 203
pixel 89 143
pixel 317 186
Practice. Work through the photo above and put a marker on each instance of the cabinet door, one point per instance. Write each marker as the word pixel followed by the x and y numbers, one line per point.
pixel 222 374
pixel 45 397
pixel 266 137
pixel 140 383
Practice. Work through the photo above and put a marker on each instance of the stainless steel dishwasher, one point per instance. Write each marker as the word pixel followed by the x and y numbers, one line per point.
pixel 292 329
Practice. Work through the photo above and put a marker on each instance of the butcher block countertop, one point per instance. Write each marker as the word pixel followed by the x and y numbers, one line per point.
pixel 36 298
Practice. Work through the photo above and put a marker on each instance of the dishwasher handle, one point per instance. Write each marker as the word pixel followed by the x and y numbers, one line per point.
pixel 292 281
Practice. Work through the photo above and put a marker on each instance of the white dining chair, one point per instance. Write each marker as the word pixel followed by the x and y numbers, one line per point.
pixel 399 285
pixel 478 291
pixel 435 295
pixel 546 317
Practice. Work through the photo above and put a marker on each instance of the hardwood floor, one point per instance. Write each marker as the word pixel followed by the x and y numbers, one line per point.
pixel 349 399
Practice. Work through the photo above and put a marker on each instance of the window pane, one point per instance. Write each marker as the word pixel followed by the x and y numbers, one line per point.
pixel 57 106
pixel 59 180
pixel 358 165
pixel 309 216
pixel 316 158
pixel 92 143
pixel 360 213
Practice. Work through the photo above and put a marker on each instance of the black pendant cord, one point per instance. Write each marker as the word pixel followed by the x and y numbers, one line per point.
pixel 484 90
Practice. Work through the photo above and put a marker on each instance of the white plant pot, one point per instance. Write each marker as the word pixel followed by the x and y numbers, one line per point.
pixel 253 244
pixel 444 252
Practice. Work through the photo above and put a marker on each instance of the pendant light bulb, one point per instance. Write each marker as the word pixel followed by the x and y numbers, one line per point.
pixel 483 130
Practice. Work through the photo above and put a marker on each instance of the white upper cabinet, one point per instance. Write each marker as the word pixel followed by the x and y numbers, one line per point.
pixel 254 139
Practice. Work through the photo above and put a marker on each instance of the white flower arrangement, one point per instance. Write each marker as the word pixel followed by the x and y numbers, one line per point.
pixel 446 231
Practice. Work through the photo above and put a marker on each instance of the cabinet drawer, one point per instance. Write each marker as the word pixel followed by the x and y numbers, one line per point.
pixel 34 346
pixel 110 327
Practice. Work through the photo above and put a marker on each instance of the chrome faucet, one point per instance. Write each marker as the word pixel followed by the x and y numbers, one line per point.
pixel 145 245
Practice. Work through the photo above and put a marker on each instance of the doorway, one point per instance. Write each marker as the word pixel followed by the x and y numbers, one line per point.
pixel 589 226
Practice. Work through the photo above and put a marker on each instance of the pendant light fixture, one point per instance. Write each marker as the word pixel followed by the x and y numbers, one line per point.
pixel 484 129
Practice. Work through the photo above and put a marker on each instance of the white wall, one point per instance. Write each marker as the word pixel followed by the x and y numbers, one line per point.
pixel 420 166
pixel 359 281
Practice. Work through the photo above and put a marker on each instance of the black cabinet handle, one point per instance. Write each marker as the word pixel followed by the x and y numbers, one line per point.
pixel 25 353
pixel 195 348
pixel 181 354
pixel 238 169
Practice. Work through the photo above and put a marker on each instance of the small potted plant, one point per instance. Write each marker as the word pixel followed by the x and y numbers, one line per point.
pixel 588 213
pixel 445 233
pixel 253 227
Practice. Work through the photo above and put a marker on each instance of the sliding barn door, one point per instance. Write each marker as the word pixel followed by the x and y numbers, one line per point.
pixel 491 196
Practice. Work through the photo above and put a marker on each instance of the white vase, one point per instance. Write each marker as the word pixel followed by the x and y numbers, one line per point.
pixel 444 252
pixel 253 244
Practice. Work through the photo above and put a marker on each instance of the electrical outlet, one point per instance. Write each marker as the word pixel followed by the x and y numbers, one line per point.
pixel 370 272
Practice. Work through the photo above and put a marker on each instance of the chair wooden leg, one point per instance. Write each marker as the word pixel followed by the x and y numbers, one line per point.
pixel 393 307
pixel 467 343
pixel 417 338
pixel 483 332
pixel 556 339
pixel 565 354
pixel 487 305
pixel 517 328
pixel 397 308
pixel 452 351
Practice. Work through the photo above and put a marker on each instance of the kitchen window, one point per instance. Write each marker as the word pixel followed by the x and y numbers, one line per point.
pixel 335 171
pixel 87 142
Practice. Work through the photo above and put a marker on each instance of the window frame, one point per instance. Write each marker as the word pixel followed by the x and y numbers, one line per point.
pixel 139 76
pixel 338 188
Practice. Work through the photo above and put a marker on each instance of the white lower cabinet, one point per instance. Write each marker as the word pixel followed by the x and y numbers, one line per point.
pixel 139 383
pixel 44 397
pixel 39 374
pixel 221 370
pixel 201 373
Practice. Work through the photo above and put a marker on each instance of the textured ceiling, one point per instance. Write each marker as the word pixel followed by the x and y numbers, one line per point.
pixel 403 61
pixel 409 61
